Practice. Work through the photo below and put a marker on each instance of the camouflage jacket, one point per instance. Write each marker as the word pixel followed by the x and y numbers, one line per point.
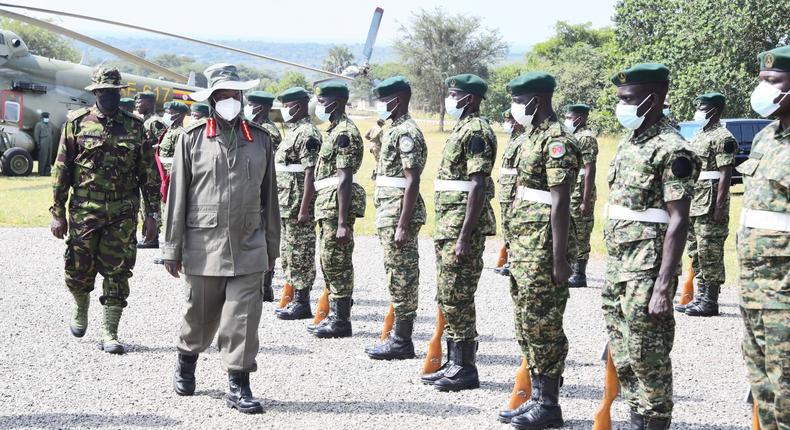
pixel 403 147
pixel 471 148
pixel 507 179
pixel 647 171
pixel 274 132
pixel 105 155
pixel 154 128
pixel 588 145
pixel 300 146
pixel 167 146
pixel 716 148
pixel 342 149
pixel 766 179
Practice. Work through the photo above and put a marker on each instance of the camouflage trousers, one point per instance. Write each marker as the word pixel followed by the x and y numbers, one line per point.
pixel 506 210
pixel 640 345
pixel 297 253
pixel 766 349
pixel 705 247
pixel 402 265
pixel 456 282
pixel 538 309
pixel 101 240
pixel 584 224
pixel 337 264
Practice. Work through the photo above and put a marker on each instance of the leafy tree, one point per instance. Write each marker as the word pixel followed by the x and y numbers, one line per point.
pixel 338 58
pixel 290 79
pixel 42 42
pixel 435 45
pixel 362 87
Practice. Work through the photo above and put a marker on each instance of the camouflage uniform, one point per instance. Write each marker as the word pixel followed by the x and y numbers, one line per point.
pixel 648 171
pixel 457 281
pixel 588 145
pixel 403 147
pixel 374 135
pixel 716 148
pixel 507 181
pixel 273 131
pixel 297 250
pixel 548 156
pixel 166 150
pixel 342 149
pixel 764 260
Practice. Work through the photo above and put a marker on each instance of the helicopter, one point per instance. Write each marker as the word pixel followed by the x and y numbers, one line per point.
pixel 31 84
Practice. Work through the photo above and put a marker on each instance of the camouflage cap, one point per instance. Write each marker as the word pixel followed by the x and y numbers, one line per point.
pixel 293 94
pixel 105 77
pixel 776 59
pixel 145 95
pixel 222 76
pixel 467 83
pixel 644 73
pixel 200 108
pixel 261 97
pixel 390 86
pixel 716 99
pixel 335 89
pixel 578 108
pixel 532 82
pixel 178 106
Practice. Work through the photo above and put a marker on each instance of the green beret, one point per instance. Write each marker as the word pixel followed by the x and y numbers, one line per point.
pixel 641 74
pixel 467 83
pixel 506 115
pixel 200 107
pixel 146 95
pixel 776 59
pixel 532 82
pixel 178 106
pixel 578 108
pixel 716 99
pixel 293 94
pixel 44 114
pixel 127 101
pixel 166 105
pixel 261 97
pixel 391 86
pixel 332 89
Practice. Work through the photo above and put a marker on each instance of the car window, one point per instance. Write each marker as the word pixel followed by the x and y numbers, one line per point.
pixel 747 132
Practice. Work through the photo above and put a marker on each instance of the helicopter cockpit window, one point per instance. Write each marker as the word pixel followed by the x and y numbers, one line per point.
pixel 11 111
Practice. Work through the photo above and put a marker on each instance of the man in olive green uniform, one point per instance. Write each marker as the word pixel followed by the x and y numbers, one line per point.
pixel 103 165
pixel 547 165
pixel 507 181
pixel 583 196
pixel 400 212
pixel 145 107
pixel 295 162
pixel 710 207
pixel 464 217
pixel 43 135
pixel 198 111
pixel 339 201
pixel 222 233
pixel 374 136
pixel 764 246
pixel 651 182
pixel 127 104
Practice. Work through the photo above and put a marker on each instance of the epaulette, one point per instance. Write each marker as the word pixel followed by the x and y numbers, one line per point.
pixel 258 126
pixel 195 125
pixel 555 130
pixel 76 114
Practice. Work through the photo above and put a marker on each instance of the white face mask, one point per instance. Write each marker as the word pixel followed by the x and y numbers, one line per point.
pixel 382 111
pixel 763 99
pixel 451 106
pixel 286 113
pixel 507 127
pixel 570 125
pixel 666 111
pixel 702 116
pixel 627 115
pixel 167 119
pixel 46 120
pixel 321 113
pixel 519 113
pixel 249 112
pixel 228 109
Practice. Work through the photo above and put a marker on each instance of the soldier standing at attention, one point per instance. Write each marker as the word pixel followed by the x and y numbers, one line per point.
pixel 651 182
pixel 547 166
pixel 507 181
pixel 105 161
pixel 374 137
pixel 339 202
pixel 44 136
pixel 295 162
pixel 583 197
pixel 710 207
pixel 145 107
pixel 222 233
pixel 400 212
pixel 464 218
pixel 198 111
pixel 764 245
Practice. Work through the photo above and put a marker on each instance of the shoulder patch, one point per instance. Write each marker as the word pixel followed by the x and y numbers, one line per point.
pixel 476 144
pixel 342 141
pixel 556 149
pixel 681 167
pixel 730 146
pixel 78 113
pixel 312 144
pixel 406 144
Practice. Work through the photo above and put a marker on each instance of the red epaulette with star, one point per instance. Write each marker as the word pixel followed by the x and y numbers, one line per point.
pixel 245 130
pixel 211 128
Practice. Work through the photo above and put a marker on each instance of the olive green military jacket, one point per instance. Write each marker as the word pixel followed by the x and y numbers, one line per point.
pixel 223 218
pixel 716 148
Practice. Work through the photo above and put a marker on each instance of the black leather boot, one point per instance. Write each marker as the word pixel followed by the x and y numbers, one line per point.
pixel 338 323
pixel 708 303
pixel 507 415
pixel 701 292
pixel 579 277
pixel 430 378
pixel 503 271
pixel 547 412
pixel 268 292
pixel 239 395
pixel 398 345
pixel 154 244
pixel 298 308
pixel 637 421
pixel 462 374
pixel 184 376
pixel 654 423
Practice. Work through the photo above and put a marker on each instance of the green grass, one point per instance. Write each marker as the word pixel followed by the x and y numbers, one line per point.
pixel 24 202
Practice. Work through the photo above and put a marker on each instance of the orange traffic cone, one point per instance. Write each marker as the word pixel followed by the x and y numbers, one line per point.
pixel 287 296
pixel 755 418
pixel 433 360
pixel 322 309
pixel 502 258
pixel 522 387
pixel 388 320
pixel 603 416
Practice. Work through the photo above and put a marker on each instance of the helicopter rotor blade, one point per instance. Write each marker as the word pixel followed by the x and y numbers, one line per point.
pixel 177 36
pixel 98 44
pixel 372 33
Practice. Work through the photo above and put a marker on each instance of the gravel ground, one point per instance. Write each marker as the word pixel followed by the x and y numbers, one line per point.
pixel 52 380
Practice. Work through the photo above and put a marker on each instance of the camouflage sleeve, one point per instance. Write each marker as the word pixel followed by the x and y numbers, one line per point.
pixel 562 161
pixel 412 152
pixel 480 153
pixel 349 152
pixel 679 173
pixel 64 168
pixel 725 151
pixel 148 176
pixel 176 207
pixel 589 146
pixel 308 144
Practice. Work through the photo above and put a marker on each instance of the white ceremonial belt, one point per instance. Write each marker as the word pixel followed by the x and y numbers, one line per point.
pixel 765 220
pixel 293 168
pixel 446 185
pixel 390 181
pixel 533 195
pixel 507 172
pixel 709 175
pixel 166 160
pixel 582 172
pixel 332 181
pixel 659 216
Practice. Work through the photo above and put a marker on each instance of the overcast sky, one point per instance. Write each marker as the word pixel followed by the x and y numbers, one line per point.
pixel 521 23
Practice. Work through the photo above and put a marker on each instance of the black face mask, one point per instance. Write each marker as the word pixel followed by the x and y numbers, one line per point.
pixel 108 101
